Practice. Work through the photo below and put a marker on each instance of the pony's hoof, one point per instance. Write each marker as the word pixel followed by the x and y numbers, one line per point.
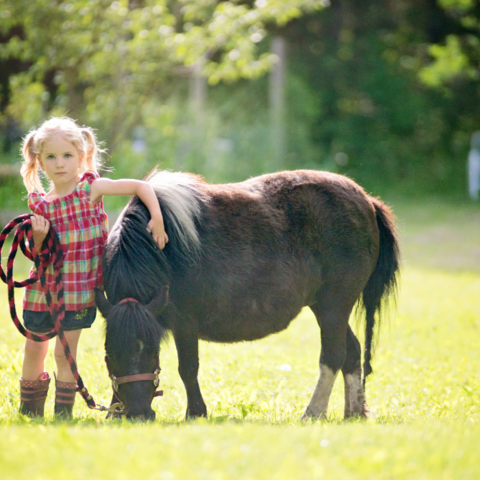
pixel 190 415
pixel 362 413
pixel 310 415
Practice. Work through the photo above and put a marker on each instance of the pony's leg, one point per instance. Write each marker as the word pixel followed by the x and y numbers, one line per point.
pixel 355 405
pixel 332 316
pixel 186 341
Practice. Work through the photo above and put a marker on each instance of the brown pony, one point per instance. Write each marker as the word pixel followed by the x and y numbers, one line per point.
pixel 242 261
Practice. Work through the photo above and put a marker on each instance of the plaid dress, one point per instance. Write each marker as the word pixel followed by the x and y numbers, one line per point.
pixel 82 228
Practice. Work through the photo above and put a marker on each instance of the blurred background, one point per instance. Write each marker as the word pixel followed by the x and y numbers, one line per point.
pixel 386 92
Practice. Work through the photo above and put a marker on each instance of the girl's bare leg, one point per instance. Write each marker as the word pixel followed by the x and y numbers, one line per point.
pixel 34 359
pixel 64 374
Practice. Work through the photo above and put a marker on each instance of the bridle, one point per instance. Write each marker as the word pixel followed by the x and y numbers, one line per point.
pixel 138 377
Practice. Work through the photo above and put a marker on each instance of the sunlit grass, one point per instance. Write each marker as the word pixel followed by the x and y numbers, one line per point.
pixel 425 394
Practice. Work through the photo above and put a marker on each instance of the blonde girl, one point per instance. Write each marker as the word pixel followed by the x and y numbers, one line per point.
pixel 68 156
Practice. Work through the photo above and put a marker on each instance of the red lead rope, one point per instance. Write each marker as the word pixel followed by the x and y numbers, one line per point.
pixel 52 253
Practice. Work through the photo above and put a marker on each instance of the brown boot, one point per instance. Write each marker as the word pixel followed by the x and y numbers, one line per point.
pixel 33 394
pixel 64 398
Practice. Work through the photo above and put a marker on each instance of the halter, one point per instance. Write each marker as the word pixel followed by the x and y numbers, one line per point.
pixel 128 299
pixel 138 377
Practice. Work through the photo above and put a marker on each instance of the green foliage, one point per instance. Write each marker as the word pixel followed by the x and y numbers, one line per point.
pixel 123 68
pixel 12 190
pixel 99 60
pixel 12 194
pixel 377 122
pixel 457 56
pixel 450 62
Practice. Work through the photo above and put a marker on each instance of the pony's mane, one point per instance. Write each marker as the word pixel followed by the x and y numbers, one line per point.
pixel 133 265
pixel 181 197
pixel 129 324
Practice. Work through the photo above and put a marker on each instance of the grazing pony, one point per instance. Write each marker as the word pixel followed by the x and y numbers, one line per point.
pixel 242 261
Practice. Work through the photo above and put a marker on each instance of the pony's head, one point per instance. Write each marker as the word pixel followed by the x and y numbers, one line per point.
pixel 132 346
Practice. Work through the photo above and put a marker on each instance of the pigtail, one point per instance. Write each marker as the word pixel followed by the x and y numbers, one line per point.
pixel 91 160
pixel 29 168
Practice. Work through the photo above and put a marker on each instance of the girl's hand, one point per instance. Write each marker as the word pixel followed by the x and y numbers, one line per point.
pixel 40 228
pixel 156 228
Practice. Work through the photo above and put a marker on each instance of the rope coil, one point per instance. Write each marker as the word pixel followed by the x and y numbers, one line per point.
pixel 52 253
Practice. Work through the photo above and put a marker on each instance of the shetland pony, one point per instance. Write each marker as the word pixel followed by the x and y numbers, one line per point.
pixel 242 261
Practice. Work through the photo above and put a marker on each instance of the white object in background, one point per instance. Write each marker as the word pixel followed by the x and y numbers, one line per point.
pixel 473 167
pixel 474 174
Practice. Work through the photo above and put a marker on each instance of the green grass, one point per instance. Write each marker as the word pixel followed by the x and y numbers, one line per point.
pixel 425 390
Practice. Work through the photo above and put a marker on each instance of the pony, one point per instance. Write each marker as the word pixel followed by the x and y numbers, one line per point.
pixel 242 261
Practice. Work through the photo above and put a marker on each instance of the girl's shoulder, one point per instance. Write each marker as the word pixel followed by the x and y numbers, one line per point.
pixel 88 177
pixel 36 202
pixel 86 180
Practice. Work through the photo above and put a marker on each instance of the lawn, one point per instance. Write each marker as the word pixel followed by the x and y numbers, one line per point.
pixel 425 390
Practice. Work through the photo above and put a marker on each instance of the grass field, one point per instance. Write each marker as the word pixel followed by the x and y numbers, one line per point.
pixel 425 390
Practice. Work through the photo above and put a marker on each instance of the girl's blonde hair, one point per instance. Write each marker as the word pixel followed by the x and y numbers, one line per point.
pixel 82 138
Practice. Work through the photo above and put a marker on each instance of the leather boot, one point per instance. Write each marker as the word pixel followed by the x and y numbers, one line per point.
pixel 33 394
pixel 64 398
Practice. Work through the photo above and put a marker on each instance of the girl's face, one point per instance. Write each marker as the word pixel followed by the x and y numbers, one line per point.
pixel 61 162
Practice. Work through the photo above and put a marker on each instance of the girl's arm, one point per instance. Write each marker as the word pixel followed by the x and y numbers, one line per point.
pixel 106 186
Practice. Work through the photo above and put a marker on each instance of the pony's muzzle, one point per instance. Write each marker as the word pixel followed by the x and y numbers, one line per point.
pixel 146 416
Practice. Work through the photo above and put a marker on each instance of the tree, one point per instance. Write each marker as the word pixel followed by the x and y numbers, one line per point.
pixel 456 55
pixel 101 62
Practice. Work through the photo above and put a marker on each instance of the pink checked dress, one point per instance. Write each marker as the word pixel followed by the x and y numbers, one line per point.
pixel 82 228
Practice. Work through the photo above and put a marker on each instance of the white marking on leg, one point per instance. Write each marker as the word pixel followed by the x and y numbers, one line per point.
pixel 319 402
pixel 354 395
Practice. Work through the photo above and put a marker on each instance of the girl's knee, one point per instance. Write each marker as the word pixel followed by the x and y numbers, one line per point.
pixel 36 348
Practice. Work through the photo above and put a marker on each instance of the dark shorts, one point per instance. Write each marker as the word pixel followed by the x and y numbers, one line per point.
pixel 42 322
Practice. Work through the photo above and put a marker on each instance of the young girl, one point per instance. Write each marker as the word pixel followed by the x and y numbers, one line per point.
pixel 68 156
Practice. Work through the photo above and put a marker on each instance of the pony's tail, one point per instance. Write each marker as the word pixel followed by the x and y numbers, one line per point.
pixel 382 284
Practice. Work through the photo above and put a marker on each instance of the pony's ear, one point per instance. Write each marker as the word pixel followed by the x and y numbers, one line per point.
pixel 159 302
pixel 103 304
